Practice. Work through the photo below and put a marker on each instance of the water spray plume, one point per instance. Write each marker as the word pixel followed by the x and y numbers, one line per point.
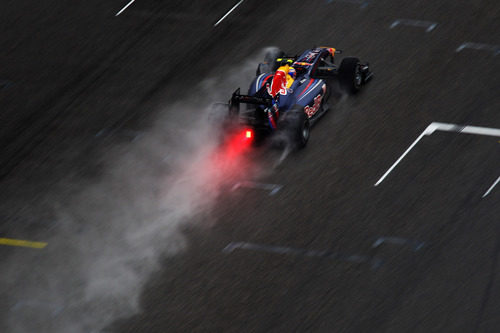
pixel 110 231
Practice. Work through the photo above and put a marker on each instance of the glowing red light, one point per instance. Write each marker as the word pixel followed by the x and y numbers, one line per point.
pixel 239 142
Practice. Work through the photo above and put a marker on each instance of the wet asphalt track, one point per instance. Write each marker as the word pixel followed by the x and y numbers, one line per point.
pixel 72 70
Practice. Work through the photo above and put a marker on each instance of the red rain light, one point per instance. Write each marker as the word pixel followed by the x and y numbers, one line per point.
pixel 239 142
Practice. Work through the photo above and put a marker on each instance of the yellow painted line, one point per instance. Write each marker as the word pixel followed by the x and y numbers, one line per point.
pixel 24 243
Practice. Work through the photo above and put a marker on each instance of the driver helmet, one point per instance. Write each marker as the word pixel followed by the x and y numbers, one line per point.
pixel 287 64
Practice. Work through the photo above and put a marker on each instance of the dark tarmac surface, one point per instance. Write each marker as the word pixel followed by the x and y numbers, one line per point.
pixel 79 86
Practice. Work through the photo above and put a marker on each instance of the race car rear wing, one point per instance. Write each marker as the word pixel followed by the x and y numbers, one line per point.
pixel 238 98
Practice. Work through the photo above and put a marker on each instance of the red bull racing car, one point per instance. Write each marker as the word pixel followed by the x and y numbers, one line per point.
pixel 290 93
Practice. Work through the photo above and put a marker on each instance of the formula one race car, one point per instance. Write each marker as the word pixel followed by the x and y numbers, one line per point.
pixel 290 93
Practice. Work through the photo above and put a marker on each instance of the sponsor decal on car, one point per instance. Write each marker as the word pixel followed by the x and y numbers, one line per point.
pixel 311 110
pixel 311 55
pixel 300 63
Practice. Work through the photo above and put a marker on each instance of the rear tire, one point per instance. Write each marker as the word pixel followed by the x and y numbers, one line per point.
pixel 350 75
pixel 270 64
pixel 297 127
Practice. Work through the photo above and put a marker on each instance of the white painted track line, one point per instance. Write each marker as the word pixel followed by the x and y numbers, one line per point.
pixel 229 12
pixel 435 126
pixel 416 245
pixel 464 129
pixel 415 23
pixel 400 159
pixel 131 2
pixel 491 188
pixel 478 46
pixel 273 188
pixel 353 258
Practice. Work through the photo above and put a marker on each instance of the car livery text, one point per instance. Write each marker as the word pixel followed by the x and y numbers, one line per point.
pixel 311 110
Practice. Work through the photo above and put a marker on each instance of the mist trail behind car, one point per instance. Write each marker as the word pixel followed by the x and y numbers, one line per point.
pixel 110 232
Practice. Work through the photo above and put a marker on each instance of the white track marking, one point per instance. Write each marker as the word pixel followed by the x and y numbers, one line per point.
pixel 273 188
pixel 355 258
pixel 131 2
pixel 229 12
pixel 461 129
pixel 399 159
pixel 447 128
pixel 478 46
pixel 398 241
pixel 416 23
pixel 491 188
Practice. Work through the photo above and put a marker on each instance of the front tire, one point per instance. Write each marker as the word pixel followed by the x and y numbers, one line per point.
pixel 350 75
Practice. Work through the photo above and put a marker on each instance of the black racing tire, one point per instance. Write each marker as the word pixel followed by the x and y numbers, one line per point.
pixel 262 68
pixel 271 55
pixel 270 64
pixel 350 75
pixel 297 127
